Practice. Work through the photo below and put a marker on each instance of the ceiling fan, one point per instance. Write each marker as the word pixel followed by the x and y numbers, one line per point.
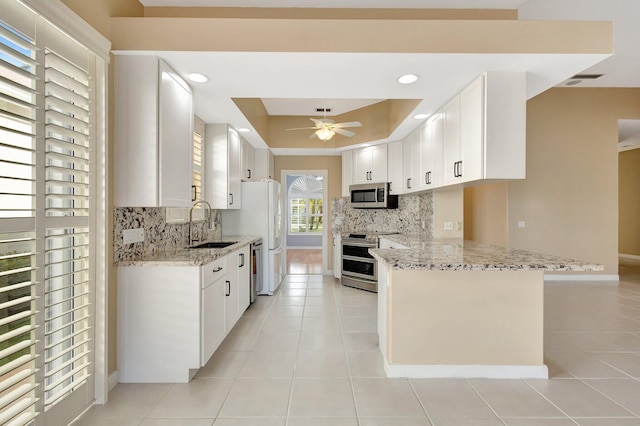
pixel 326 128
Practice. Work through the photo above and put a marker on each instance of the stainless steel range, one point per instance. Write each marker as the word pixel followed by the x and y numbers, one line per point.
pixel 359 268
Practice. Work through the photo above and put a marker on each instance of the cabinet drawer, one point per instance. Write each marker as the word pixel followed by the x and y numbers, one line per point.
pixel 214 270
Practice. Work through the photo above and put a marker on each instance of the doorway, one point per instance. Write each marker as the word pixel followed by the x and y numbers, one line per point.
pixel 305 211
pixel 628 194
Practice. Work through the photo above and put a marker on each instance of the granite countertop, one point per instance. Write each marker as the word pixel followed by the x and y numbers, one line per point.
pixel 453 254
pixel 191 257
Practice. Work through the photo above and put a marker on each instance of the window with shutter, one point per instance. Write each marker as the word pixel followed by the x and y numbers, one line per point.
pixel 47 220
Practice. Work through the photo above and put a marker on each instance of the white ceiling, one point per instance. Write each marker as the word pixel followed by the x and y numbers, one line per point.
pixel 628 135
pixel 292 81
pixel 413 4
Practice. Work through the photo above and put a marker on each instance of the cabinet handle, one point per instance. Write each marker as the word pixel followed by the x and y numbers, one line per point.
pixel 194 194
pixel 218 269
pixel 231 199
pixel 427 178
pixel 409 183
pixel 228 293
pixel 242 257
pixel 249 174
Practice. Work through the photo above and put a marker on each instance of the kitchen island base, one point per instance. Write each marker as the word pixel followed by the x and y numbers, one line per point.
pixel 461 323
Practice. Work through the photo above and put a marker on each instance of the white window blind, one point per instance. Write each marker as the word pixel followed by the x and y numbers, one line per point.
pixel 198 170
pixel 47 149
pixel 18 367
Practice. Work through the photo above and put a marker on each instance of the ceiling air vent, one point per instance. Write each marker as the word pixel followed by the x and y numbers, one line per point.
pixel 323 109
pixel 586 76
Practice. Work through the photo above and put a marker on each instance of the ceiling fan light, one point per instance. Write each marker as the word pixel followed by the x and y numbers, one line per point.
pixel 420 116
pixel 324 134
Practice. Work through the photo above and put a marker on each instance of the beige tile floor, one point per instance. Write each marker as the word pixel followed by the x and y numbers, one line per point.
pixel 308 357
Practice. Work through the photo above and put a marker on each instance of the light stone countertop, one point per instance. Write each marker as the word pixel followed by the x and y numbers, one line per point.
pixel 191 257
pixel 454 254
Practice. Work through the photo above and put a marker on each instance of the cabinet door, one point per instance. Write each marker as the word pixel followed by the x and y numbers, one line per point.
pixel 431 153
pixel 347 172
pixel 213 318
pixel 362 165
pixel 248 161
pixel 394 168
pixel 472 130
pixel 451 142
pixel 235 169
pixel 244 276
pixel 231 300
pixel 378 170
pixel 410 148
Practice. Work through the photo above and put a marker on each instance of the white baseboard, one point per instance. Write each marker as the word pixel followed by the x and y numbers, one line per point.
pixel 581 277
pixel 113 380
pixel 304 247
pixel 629 256
pixel 467 371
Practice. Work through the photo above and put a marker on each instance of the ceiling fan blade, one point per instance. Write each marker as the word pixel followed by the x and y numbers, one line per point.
pixel 349 124
pixel 303 128
pixel 313 135
pixel 317 122
pixel 343 132
pixel 326 121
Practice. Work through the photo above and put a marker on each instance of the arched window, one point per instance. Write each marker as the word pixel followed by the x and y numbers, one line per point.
pixel 305 205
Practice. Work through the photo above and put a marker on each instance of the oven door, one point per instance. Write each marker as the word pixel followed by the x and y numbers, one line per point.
pixel 359 267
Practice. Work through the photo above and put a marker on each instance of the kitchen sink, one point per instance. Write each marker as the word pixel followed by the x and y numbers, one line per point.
pixel 214 244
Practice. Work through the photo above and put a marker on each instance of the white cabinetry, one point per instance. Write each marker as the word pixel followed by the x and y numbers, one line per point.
pixel 411 161
pixel 451 157
pixel 394 168
pixel 264 164
pixel 431 153
pixel 485 130
pixel 347 172
pixel 248 161
pixel 214 284
pixel 223 154
pixel 370 164
pixel 171 319
pixel 153 132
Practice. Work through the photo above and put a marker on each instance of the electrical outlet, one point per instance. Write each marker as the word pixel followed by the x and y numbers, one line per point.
pixel 458 226
pixel 521 224
pixel 130 236
pixel 448 226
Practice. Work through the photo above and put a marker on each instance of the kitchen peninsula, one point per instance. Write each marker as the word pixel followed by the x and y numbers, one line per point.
pixel 455 308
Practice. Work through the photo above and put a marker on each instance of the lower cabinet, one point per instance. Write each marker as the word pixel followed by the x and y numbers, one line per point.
pixel 171 319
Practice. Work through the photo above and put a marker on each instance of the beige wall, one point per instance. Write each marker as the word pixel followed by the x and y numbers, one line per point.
pixel 98 13
pixel 569 199
pixel 485 214
pixel 448 206
pixel 333 165
pixel 629 202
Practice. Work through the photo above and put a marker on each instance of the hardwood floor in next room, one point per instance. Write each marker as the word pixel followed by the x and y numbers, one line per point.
pixel 304 261
pixel 308 356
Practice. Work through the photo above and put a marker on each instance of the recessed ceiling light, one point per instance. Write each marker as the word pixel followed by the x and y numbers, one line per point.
pixel 364 145
pixel 244 130
pixel 197 77
pixel 408 79
pixel 420 116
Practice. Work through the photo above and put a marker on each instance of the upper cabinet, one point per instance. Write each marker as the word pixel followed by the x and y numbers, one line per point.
pixel 485 129
pixel 223 163
pixel 264 164
pixel 153 133
pixel 370 164
pixel 347 172
pixel 394 168
pixel 411 161
pixel 431 153
pixel 248 161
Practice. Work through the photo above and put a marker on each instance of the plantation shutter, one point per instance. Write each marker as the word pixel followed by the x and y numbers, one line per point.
pixel 18 369
pixel 68 309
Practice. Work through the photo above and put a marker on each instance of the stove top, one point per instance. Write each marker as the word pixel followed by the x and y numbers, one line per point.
pixel 369 234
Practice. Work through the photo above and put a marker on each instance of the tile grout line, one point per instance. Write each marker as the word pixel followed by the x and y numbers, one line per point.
pixel 609 398
pixel 485 401
pixel 295 363
pixel 415 393
pixel 550 402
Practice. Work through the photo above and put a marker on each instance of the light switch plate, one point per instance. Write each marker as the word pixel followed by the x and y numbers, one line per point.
pixel 130 236
pixel 521 224
pixel 448 226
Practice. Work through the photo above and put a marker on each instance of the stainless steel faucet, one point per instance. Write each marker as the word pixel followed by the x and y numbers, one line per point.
pixel 206 203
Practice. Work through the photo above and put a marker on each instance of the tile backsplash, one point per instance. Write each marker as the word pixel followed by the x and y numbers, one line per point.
pixel 414 216
pixel 158 234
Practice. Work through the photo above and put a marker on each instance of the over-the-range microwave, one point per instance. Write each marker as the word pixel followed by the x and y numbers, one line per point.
pixel 372 196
